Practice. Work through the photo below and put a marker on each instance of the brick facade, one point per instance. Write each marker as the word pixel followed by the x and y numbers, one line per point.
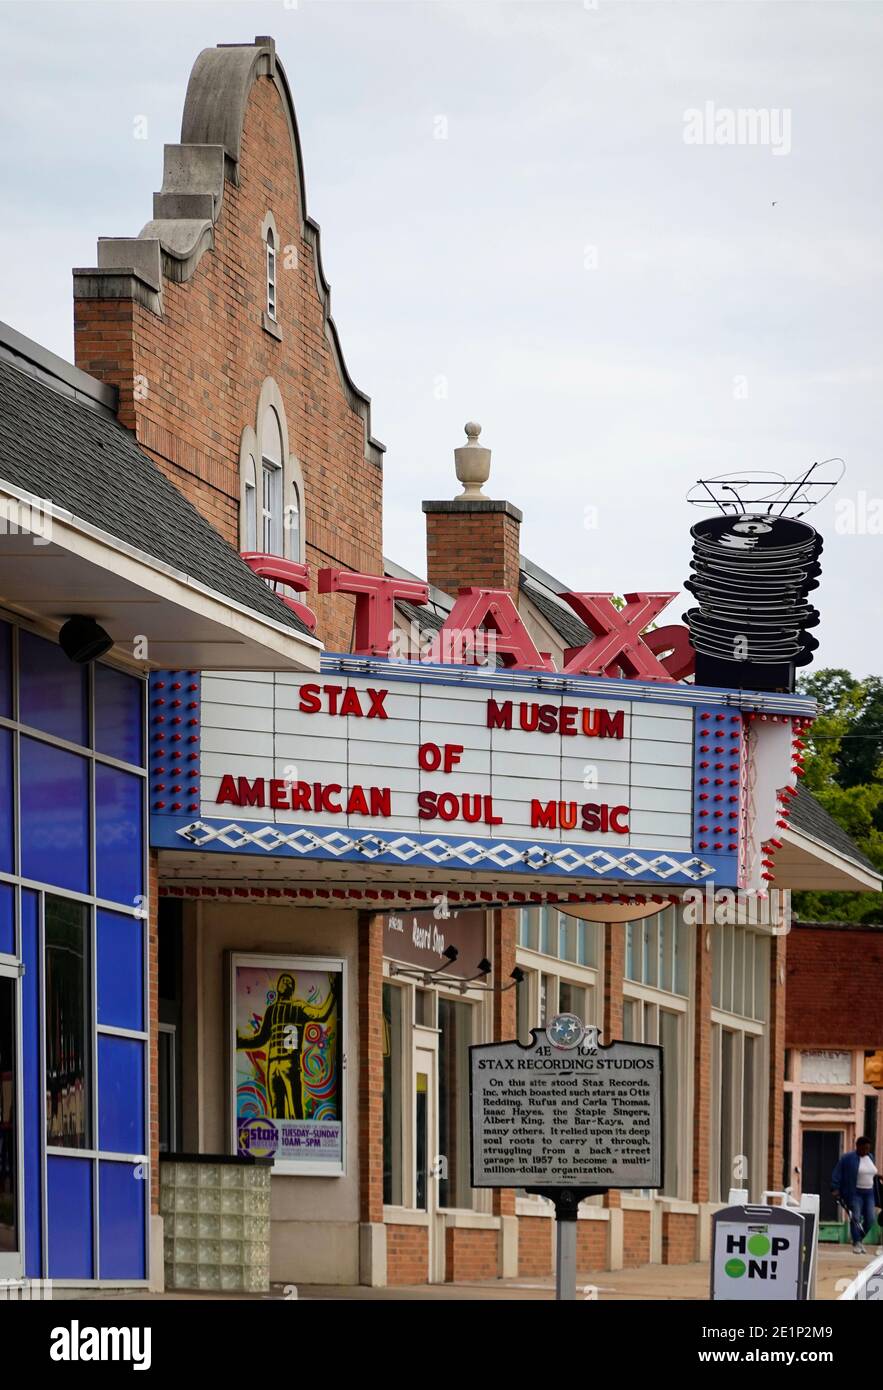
pixel 504 928
pixel 847 1015
pixel 702 1041
pixel 189 378
pixel 635 1238
pixel 470 1254
pixel 591 1245
pixel 407 1254
pixel 536 1237
pixel 778 954
pixel 473 543
pixel 370 1067
pixel 678 1238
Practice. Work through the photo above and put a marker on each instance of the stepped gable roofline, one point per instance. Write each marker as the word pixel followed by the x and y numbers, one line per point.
pixel 186 209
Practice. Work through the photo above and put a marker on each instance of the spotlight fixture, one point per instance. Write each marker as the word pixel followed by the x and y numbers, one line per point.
pixel 82 640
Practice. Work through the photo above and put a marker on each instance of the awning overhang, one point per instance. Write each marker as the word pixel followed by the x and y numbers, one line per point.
pixel 158 616
pixel 805 864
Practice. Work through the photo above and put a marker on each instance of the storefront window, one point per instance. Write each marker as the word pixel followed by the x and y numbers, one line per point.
pixel 68 1014
pixel 455 1028
pixel 572 999
pixel 564 979
pixel 657 952
pixel 392 1096
pixel 78 824
pixel 8 1117
pixel 658 967
pixel 740 971
pixel 421 1149
pixel 739 1130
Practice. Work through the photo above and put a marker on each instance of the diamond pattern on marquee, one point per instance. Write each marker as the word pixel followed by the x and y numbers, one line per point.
pixel 438 851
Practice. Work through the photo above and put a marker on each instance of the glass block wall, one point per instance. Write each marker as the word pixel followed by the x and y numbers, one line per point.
pixel 73 914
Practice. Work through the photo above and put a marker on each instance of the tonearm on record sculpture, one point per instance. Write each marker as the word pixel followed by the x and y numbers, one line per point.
pixel 752 569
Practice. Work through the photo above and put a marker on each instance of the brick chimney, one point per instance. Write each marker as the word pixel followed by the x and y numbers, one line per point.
pixel 473 539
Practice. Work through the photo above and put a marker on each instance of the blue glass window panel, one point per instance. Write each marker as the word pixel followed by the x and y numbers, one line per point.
pixel 31 1085
pixel 120 970
pixel 120 1095
pixel 54 816
pixel 52 689
pixel 5 671
pixel 7 919
pixel 119 731
pixel 119 835
pixel 69 1217
pixel 121 1195
pixel 7 819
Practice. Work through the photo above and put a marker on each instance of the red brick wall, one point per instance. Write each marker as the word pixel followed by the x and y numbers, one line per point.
pixel 591 1244
pixel 205 359
pixel 479 547
pixel 835 999
pixel 678 1238
pixel 702 1067
pixel 371 1067
pixel 611 1027
pixel 535 1245
pixel 470 1255
pixel 504 928
pixel 407 1254
pixel 778 975
pixel 635 1238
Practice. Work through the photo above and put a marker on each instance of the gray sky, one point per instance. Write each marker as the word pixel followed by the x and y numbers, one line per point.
pixel 623 311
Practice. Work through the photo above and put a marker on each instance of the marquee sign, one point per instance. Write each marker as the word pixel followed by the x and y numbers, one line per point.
pixel 511 773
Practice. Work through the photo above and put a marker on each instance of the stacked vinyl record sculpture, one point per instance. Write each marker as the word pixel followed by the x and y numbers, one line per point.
pixel 751 576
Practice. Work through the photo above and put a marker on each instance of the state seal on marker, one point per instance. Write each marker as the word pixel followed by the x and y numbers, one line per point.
pixel 566 1031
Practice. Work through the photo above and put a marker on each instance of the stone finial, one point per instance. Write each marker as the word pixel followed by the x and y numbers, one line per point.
pixel 473 464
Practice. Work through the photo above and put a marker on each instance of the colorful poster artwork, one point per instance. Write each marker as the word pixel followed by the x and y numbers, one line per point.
pixel 288 1075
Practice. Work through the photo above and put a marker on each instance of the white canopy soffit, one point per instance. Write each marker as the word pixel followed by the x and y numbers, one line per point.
pixel 83 569
pixel 805 864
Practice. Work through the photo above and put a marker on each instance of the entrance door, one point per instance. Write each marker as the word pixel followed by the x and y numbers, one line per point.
pixel 821 1150
pixel 426 1159
pixel 11 1266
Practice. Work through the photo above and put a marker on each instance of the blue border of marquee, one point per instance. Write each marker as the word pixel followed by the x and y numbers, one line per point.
pixel 173 825
pixel 469 853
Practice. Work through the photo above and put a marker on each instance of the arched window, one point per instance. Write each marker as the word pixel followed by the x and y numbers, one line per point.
pixel 271 484
pixel 250 504
pixel 272 508
pixel 271 274
pixel 293 523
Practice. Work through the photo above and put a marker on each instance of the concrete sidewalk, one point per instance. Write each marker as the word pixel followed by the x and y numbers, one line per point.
pixel 838 1266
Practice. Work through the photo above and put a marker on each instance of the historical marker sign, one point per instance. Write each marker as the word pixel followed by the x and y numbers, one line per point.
pixel 555 1115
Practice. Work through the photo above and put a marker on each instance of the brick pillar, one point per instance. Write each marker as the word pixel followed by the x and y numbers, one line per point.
pixel 370 1067
pixel 614 973
pixel 778 953
pixel 504 927
pixel 104 345
pixel 611 1027
pixel 475 541
pixel 702 1065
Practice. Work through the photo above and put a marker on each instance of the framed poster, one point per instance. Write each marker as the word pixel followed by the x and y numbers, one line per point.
pixel 287 1061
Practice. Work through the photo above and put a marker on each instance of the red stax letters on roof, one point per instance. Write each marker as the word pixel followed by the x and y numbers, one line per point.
pixel 375 598
pixel 617 641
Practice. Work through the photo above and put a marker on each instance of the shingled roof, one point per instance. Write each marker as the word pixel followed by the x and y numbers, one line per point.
pixel 809 817
pixel 60 440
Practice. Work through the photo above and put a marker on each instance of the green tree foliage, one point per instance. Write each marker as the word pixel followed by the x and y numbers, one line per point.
pixel 844 772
